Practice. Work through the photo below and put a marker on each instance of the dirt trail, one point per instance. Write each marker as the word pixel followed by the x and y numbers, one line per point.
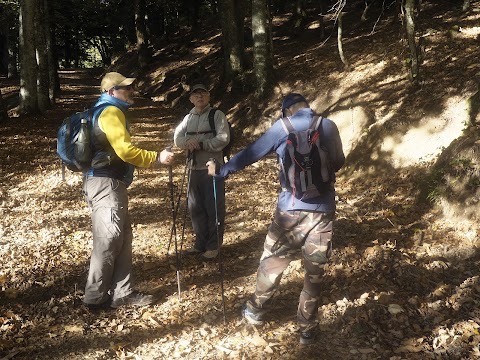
pixel 396 288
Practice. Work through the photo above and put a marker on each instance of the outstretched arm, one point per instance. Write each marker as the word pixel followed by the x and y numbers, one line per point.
pixel 264 145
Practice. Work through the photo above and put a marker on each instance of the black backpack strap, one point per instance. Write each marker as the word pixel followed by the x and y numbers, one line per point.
pixel 211 120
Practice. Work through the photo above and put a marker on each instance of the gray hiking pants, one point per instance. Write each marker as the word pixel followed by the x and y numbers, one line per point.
pixel 201 204
pixel 111 260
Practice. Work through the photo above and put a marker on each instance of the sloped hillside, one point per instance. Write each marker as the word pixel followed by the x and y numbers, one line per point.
pixel 387 125
pixel 403 282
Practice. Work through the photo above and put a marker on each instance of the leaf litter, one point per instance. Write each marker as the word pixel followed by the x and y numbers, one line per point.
pixel 400 284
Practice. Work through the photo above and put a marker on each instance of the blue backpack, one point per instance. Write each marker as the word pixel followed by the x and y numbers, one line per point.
pixel 74 143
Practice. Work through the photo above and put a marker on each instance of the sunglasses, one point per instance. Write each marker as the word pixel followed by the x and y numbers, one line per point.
pixel 127 87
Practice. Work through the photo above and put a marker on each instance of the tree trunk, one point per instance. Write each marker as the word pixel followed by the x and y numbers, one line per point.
pixel 12 58
pixel 141 32
pixel 53 82
pixel 3 47
pixel 299 15
pixel 3 110
pixel 67 48
pixel 140 25
pixel 340 40
pixel 28 63
pixel 262 47
pixel 323 10
pixel 233 48
pixel 41 20
pixel 410 30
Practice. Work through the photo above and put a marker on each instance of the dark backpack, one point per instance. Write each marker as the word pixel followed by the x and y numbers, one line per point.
pixel 305 163
pixel 74 143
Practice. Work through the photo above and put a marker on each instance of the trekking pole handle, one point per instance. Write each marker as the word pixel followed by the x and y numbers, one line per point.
pixel 209 164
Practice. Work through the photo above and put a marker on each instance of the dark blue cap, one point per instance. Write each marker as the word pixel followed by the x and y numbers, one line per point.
pixel 292 99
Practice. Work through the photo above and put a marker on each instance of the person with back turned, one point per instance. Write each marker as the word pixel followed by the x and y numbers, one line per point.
pixel 300 226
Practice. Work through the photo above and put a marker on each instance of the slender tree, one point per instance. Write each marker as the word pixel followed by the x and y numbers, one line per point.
pixel 141 32
pixel 323 11
pixel 262 46
pixel 28 63
pixel 41 34
pixel 233 45
pixel 410 30
pixel 12 54
pixel 3 109
pixel 53 82
pixel 299 14
pixel 9 29
pixel 340 37
pixel 3 45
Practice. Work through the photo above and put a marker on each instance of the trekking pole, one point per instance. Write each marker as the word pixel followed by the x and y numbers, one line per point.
pixel 189 159
pixel 178 201
pixel 220 255
pixel 174 227
pixel 176 208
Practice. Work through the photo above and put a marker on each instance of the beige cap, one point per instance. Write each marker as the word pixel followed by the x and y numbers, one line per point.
pixel 112 79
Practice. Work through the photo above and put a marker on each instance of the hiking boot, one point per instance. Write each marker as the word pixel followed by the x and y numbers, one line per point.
pixel 133 299
pixel 210 254
pixel 97 307
pixel 252 317
pixel 307 336
pixel 192 251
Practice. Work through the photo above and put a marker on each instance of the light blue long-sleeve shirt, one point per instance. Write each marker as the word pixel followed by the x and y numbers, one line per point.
pixel 274 140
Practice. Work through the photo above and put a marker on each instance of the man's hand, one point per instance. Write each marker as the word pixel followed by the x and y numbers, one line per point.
pixel 192 144
pixel 212 167
pixel 165 157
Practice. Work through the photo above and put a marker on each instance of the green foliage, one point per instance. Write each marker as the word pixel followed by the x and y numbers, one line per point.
pixel 444 181
pixel 432 184
pixel 434 196
pixel 461 165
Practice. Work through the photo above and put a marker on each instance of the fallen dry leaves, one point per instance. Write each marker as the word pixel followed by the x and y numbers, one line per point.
pixel 400 284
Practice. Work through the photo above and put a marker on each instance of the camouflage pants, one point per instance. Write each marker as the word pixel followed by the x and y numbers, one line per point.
pixel 292 233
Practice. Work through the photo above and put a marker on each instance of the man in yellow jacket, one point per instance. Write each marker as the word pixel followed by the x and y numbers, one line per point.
pixel 109 280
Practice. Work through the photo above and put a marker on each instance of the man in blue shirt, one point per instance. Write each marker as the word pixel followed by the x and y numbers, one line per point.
pixel 299 226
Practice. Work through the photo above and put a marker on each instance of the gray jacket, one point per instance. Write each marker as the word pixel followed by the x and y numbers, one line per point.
pixel 195 125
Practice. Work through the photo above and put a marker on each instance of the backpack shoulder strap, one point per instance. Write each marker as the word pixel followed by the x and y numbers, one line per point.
pixel 316 121
pixel 287 125
pixel 95 111
pixel 324 157
pixel 211 120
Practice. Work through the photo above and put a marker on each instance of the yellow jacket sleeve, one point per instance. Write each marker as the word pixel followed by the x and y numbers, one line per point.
pixel 113 123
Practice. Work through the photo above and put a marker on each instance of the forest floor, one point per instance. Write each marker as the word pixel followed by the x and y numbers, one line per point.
pixel 400 284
